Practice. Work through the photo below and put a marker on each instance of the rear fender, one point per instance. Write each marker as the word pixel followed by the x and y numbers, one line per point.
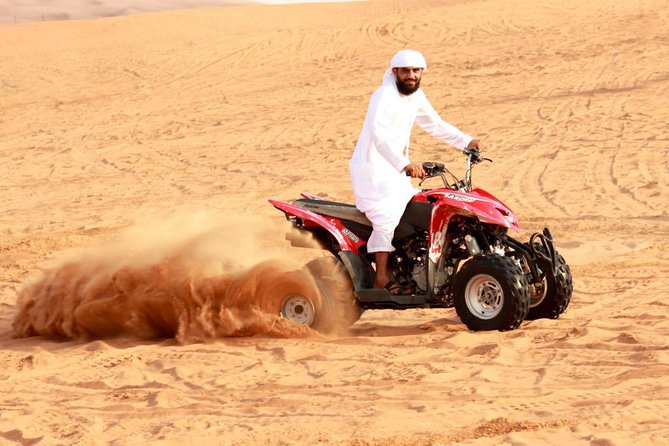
pixel 346 239
pixel 361 272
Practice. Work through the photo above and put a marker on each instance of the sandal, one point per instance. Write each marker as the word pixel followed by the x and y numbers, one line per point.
pixel 395 288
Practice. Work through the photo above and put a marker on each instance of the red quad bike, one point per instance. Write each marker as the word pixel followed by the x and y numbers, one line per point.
pixel 452 249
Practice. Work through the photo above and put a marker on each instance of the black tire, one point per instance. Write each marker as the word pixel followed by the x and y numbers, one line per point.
pixel 559 288
pixel 339 307
pixel 491 293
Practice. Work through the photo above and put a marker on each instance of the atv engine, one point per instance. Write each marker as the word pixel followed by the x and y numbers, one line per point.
pixel 411 265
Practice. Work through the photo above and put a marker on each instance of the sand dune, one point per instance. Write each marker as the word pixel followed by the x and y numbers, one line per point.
pixel 174 113
pixel 18 12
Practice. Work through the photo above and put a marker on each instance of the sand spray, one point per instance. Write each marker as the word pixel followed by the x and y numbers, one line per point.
pixel 194 278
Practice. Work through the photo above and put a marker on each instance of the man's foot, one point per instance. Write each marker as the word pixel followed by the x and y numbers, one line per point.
pixel 381 282
pixel 396 289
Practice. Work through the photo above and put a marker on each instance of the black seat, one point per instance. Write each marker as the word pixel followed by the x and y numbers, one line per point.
pixel 416 215
pixel 333 209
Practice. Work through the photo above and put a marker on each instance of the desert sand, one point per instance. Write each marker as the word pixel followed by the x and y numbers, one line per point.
pixel 143 149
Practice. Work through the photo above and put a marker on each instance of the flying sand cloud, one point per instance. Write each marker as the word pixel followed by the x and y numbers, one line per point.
pixel 193 278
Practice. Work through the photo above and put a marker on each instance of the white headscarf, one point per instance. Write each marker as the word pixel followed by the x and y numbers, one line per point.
pixel 404 58
pixel 408 58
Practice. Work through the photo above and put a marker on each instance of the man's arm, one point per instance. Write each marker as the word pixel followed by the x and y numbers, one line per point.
pixel 432 123
pixel 392 149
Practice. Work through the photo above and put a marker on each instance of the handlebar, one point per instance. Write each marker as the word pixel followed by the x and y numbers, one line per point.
pixel 431 168
pixel 474 155
pixel 434 169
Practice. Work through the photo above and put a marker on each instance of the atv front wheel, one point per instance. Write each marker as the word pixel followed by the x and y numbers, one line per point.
pixel 555 292
pixel 491 293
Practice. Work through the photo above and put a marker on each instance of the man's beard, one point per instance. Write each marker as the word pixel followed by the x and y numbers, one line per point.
pixel 406 89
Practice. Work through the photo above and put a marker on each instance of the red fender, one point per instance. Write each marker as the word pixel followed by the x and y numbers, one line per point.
pixel 346 239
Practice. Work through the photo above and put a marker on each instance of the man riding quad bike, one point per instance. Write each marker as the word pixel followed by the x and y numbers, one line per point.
pixel 452 249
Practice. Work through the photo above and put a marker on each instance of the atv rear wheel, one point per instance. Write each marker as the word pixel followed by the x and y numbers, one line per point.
pixel 555 292
pixel 339 307
pixel 299 309
pixel 491 293
pixel 293 295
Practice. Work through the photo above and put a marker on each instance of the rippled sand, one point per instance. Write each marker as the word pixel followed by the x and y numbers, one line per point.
pixel 144 332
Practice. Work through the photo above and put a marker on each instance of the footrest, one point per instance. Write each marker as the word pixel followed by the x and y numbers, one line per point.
pixel 381 297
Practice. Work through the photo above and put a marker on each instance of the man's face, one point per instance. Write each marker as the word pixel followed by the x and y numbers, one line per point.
pixel 408 79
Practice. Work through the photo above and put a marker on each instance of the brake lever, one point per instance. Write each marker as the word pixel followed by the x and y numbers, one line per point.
pixel 427 177
pixel 479 160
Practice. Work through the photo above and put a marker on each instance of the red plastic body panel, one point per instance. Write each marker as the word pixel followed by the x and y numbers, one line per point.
pixel 477 203
pixel 449 203
pixel 347 240
pixel 446 203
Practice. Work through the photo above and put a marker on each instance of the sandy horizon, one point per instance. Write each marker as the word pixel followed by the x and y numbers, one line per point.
pixel 138 153
pixel 13 12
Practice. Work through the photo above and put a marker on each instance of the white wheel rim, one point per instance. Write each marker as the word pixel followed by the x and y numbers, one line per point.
pixel 538 297
pixel 298 309
pixel 484 296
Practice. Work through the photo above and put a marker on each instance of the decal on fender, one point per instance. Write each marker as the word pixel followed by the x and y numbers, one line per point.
pixel 460 198
pixel 351 235
pixel 437 245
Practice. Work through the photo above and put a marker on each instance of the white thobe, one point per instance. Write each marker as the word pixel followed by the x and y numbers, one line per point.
pixel 382 191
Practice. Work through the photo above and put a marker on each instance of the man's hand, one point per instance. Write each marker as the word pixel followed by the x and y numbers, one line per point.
pixel 474 150
pixel 414 170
